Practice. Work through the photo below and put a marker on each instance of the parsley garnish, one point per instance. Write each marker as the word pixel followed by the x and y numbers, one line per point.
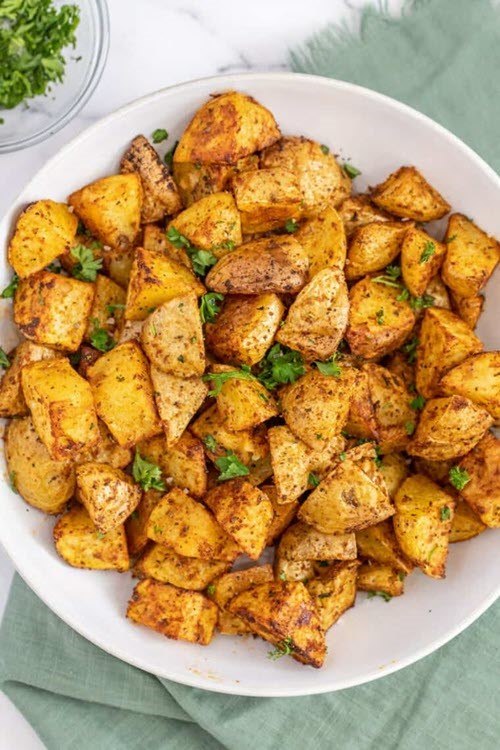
pixel 169 156
pixel 210 443
pixel 385 596
pixel 351 170
pixel 87 266
pixel 342 456
pixel 291 226
pixel 379 316
pixel 280 365
pixel 325 595
pixel 11 289
pixel 410 428
pixel 378 456
pixel 159 135
pixel 211 589
pixel 219 378
pixel 445 513
pixel 4 360
pixel 458 477
pixel 427 252
pixel 100 338
pixel 313 479
pixel 282 648
pixel 282 576
pixel 230 466
pixel 116 306
pixel 450 239
pixel 325 149
pixel 417 403
pixel 420 303
pixel 410 349
pixel 390 277
pixel 147 474
pixel 210 306
pixel 12 480
pixel 201 260
pixel 330 367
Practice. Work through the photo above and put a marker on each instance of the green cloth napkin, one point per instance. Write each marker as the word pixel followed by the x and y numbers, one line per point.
pixel 443 58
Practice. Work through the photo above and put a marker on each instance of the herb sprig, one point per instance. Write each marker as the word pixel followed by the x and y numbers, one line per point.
pixel 458 477
pixel 219 378
pixel 282 648
pixel 87 264
pixel 280 365
pixel 147 474
pixel 210 306
pixel 201 260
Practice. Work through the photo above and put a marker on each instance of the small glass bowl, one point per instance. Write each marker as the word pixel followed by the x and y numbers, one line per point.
pixel 26 125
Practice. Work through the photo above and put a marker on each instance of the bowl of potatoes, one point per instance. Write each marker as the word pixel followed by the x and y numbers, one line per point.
pixel 251 383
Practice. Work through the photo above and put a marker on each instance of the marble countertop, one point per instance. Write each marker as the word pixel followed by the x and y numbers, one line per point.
pixel 157 43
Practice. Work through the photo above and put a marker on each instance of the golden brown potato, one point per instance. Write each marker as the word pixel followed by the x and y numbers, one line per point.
pixel 482 491
pixel 107 307
pixel 43 231
pixel 51 309
pixel 469 308
pixel 118 264
pixel 374 246
pixel 166 566
pixel 173 612
pixel 136 523
pixel 12 401
pixel 42 482
pixel 421 258
pixel 179 522
pixel 379 544
pixel 471 256
pixel 245 328
pixel 381 579
pixel 439 293
pixel 406 193
pixel 401 363
pixel 394 469
pixel 106 450
pixel 160 196
pixel 321 180
pixel 155 279
pixel 154 240
pixel 293 570
pixel 228 127
pixel 177 401
pixel 249 445
pixel 371 302
pixel 267 198
pixel 244 512
pixel 316 406
pixel 228 586
pixel 438 471
pixel 466 524
pixel 196 180
pixel 301 542
pixel 172 337
pixel 394 418
pixel 448 427
pixel 61 406
pixel 273 264
pixel 317 319
pixel 123 394
pixel 422 523
pixel 243 404
pixel 283 514
pixel 334 591
pixel 111 209
pixel 284 614
pixel 108 494
pixel 352 496
pixel 323 238
pixel 476 378
pixel 82 546
pixel 444 341
pixel 358 210
pixel 184 462
pixel 361 421
pixel 212 223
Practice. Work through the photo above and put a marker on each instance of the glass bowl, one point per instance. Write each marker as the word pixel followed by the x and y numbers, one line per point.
pixel 45 115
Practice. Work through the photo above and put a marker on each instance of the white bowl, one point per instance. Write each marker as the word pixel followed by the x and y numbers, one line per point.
pixel 375 638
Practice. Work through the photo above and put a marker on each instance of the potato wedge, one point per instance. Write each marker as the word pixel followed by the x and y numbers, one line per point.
pixel 154 240
pixel 374 246
pixel 80 544
pixel 361 422
pixel 107 307
pixel 184 462
pixel 108 494
pixel 173 612
pixel 166 566
pixel 196 180
pixel 439 293
pixel 228 586
pixel 468 308
pixel 478 379
pixel 471 256
pixel 466 523
pixel 212 223
pixel 249 445
pixel 301 542
pixel 136 523
pixel 421 258
pixel 406 193
pixel 394 470
pixel 334 592
pixel 177 401
pixel 12 401
pixel 243 404
pixel 267 198
pixel 482 491
pixel 323 238
pixel 379 544
pixel 358 210
pixel 283 514
pixel 293 570
pixel 394 418
pixel 380 579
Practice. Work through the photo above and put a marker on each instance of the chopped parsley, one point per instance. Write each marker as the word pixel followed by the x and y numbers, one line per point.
pixel 291 226
pixel 379 316
pixel 350 170
pixel 385 596
pixel 211 589
pixel 325 149
pixel 282 576
pixel 201 260
pixel 13 482
pixel 378 456
pixel 458 477
pixel 280 365
pixel 410 428
pixel 410 349
pixel 210 306
pixel 87 265
pixel 330 367
pixel 210 443
pixel 342 456
pixel 4 360
pixel 420 303
pixel 313 479
pixel 282 648
pixel 159 135
pixel 100 338
pixel 445 513
pixel 169 156
pixel 427 252
pixel 417 403
pixel 115 306
pixel 147 474
pixel 325 595
pixel 390 278
pixel 11 288
pixel 230 467
pixel 219 378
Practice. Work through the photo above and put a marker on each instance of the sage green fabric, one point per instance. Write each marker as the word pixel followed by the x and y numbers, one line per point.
pixel 442 57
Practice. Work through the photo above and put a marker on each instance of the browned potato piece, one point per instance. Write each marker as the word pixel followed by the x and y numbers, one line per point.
pixel 185 463
pixel 62 407
pixel 175 613
pixel 301 542
pixel 379 543
pixel 154 240
pixel 444 341
pixel 164 565
pixel 53 310
pixel 108 494
pixel 82 546
pixel 466 524
pixel 284 614
pixel 394 418
pixel 439 293
pixel 196 180
pixel 315 407
pixel 118 264
pixel 369 303
pixel 273 264
pixel 352 496
pixel 179 522
pixel 42 482
pixel 155 279
pixel 245 328
pixel 136 523
pixel 469 308
pixel 293 570
pixel 406 193
pixel 177 401
pixel 438 471
pixel 12 401
pixel 106 450
pixel 394 469
pixel 448 427
pixel 321 180
pixel 401 363
pixel 358 210
pixel 361 421
pixel 334 591
pixel 111 209
pixel 267 198
pixel 421 258
pixel 323 238
pixel 373 246
pixel 160 195
pixel 422 523
pixel 123 394
pixel 317 319
pixel 283 514
pixel 228 586
pixel 172 337
pixel 227 128
pixel 244 512
pixel 471 256
pixel 381 579
pixel 249 445
pixel 482 491
pixel 212 223
pixel 107 308
pixel 477 378
pixel 44 230
pixel 244 404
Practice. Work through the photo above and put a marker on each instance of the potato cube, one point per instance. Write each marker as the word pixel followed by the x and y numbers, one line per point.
pixel 283 514
pixel 438 471
pixel 361 422
pixel 184 462
pixel 249 445
pixel 394 418
pixel 478 379
pixel 334 591
pixel 108 494
pixel 82 546
pixel 468 308
pixel 380 579
pixel 293 570
pixel 12 401
pixel 358 210
pixel 228 586
pixel 154 240
pixel 372 247
pixel 53 310
pixel 107 308
pixel 482 491
pixel 177 400
pixel 323 238
pixel 301 542
pixel 243 404
pixel 196 180
pixel 136 523
pixel 212 223
pixel 266 198
pixel 421 258
pixel 106 450
pixel 471 256
pixel 406 193
pixel 379 544
pixel 164 565
pixel 466 523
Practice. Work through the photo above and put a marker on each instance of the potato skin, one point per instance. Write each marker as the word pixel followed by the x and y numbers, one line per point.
pixel 407 194
pixel 324 240
pixel 471 256
pixel 177 401
pixel 82 546
pixel 476 378
pixel 374 246
pixel 228 586
pixel 166 566
pixel 418 265
pixel 12 401
pixel 266 198
pixel 108 494
pixel 42 482
pixel 482 492
pixel 301 542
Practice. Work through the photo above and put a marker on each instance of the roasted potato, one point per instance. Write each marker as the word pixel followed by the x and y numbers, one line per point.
pixel 394 418
pixel 301 542
pixel 482 490
pixel 196 180
pixel 478 379
pixel 374 246
pixel 177 401
pixel 468 308
pixel 394 470
pixel 118 265
pixel 407 194
pixel 243 404
pixel 166 566
pixel 108 494
pixel 380 579
pixel 358 210
pixel 107 307
pixel 438 471
pixel 228 586
pixel 439 293
pixel 361 421
pixel 82 546
pixel 421 258
pixel 136 523
pixel 466 524
pixel 267 198
pixel 293 570
pixel 283 514
pixel 323 238
pixel 12 401
pixel 379 544
pixel 212 223
pixel 184 462
pixel 44 230
pixel 106 450
pixel 154 240
pixel 249 445
pixel 334 591
pixel 471 256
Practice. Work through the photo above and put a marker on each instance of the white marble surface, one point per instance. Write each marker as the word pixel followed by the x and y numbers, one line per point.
pixel 156 43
